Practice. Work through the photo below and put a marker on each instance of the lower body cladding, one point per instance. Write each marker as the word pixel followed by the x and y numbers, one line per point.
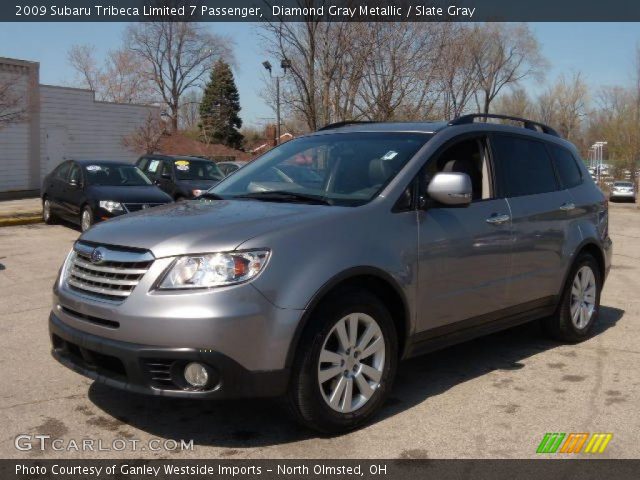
pixel 159 370
pixel 212 344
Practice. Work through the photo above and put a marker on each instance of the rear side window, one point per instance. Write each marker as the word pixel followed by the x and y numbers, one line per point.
pixel 523 166
pixel 566 165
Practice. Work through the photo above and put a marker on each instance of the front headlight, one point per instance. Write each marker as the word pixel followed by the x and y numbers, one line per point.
pixel 67 265
pixel 197 193
pixel 214 270
pixel 111 206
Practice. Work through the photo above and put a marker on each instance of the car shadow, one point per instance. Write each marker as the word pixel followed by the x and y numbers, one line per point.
pixel 262 422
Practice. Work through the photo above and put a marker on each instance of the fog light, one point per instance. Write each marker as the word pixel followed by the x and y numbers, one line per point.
pixel 196 374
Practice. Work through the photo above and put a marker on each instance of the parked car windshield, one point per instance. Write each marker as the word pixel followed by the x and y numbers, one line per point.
pixel 623 184
pixel 189 169
pixel 339 169
pixel 115 175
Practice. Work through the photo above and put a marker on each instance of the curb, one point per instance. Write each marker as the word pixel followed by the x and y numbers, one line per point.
pixel 22 220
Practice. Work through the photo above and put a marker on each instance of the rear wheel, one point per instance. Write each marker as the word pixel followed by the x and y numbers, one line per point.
pixel 346 363
pixel 580 304
pixel 86 218
pixel 47 216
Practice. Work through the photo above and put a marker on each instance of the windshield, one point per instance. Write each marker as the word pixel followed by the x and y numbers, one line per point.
pixel 115 175
pixel 623 184
pixel 189 169
pixel 340 169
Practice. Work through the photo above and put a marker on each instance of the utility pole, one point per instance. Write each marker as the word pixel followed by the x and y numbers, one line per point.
pixel 284 65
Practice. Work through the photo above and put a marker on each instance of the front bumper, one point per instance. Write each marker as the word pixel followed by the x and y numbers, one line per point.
pixel 157 370
pixel 620 195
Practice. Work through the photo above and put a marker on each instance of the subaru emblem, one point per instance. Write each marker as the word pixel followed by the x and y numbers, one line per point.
pixel 97 255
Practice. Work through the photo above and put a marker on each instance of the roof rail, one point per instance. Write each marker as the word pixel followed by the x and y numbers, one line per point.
pixel 342 124
pixel 529 124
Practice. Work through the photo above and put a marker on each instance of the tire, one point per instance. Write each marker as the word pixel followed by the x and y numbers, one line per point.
pixel 86 218
pixel 47 217
pixel 576 324
pixel 309 398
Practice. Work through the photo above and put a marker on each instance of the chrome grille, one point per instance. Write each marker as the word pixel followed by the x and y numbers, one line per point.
pixel 134 207
pixel 107 272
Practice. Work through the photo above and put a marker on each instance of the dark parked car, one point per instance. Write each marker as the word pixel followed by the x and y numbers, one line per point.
pixel 182 177
pixel 88 191
pixel 227 168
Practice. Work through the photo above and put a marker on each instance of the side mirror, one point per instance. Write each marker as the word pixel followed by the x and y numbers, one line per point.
pixel 452 188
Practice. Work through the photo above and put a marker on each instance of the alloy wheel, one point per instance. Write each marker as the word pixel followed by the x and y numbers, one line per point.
pixel 583 297
pixel 46 210
pixel 86 220
pixel 351 362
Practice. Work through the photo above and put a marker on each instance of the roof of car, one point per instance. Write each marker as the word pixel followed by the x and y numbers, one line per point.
pixel 528 125
pixel 177 157
pixel 418 127
pixel 84 162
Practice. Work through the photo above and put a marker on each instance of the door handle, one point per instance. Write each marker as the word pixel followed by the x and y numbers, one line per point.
pixel 498 219
pixel 567 206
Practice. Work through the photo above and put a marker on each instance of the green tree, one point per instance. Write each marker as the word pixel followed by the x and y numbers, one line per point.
pixel 219 119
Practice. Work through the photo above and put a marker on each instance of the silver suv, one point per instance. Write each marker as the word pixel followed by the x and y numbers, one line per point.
pixel 312 271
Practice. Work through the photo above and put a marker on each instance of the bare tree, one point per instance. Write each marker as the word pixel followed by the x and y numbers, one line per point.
pixel 122 78
pixel 457 71
pixel 564 104
pixel 190 110
pixel 146 138
pixel 503 55
pixel 13 106
pixel 176 55
pixel 400 71
pixel 515 103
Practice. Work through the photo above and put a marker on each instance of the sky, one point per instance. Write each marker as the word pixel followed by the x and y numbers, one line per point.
pixel 603 52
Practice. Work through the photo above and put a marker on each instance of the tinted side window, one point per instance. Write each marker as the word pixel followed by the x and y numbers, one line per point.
pixel 75 174
pixel 142 163
pixel 62 172
pixel 166 168
pixel 523 166
pixel 568 170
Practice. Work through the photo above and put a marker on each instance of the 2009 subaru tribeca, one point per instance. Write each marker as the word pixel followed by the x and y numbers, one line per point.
pixel 401 238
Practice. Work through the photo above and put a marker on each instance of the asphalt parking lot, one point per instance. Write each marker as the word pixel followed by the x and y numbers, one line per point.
pixel 494 397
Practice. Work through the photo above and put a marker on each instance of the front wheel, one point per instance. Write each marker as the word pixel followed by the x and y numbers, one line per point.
pixel 346 363
pixel 47 215
pixel 86 218
pixel 580 303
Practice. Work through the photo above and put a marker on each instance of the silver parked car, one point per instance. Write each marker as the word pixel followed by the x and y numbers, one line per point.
pixel 622 190
pixel 419 235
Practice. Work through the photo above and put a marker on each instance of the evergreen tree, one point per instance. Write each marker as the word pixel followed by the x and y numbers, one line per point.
pixel 219 119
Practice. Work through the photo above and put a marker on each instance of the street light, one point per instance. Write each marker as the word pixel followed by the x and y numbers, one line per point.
pixel 284 65
pixel 598 156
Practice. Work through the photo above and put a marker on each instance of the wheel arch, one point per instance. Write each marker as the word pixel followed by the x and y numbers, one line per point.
pixel 591 247
pixel 376 281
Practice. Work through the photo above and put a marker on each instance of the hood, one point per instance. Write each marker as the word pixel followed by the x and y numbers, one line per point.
pixel 129 194
pixel 200 226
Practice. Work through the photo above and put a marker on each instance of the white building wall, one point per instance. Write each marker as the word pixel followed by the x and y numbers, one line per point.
pixel 62 123
pixel 73 125
pixel 14 139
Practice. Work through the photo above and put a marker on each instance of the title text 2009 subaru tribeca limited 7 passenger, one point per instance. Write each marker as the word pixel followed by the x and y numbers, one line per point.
pixel 419 235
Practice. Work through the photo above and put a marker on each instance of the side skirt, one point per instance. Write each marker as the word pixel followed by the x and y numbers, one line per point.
pixel 447 335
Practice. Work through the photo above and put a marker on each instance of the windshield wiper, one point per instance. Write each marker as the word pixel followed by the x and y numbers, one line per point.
pixel 283 196
pixel 210 195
